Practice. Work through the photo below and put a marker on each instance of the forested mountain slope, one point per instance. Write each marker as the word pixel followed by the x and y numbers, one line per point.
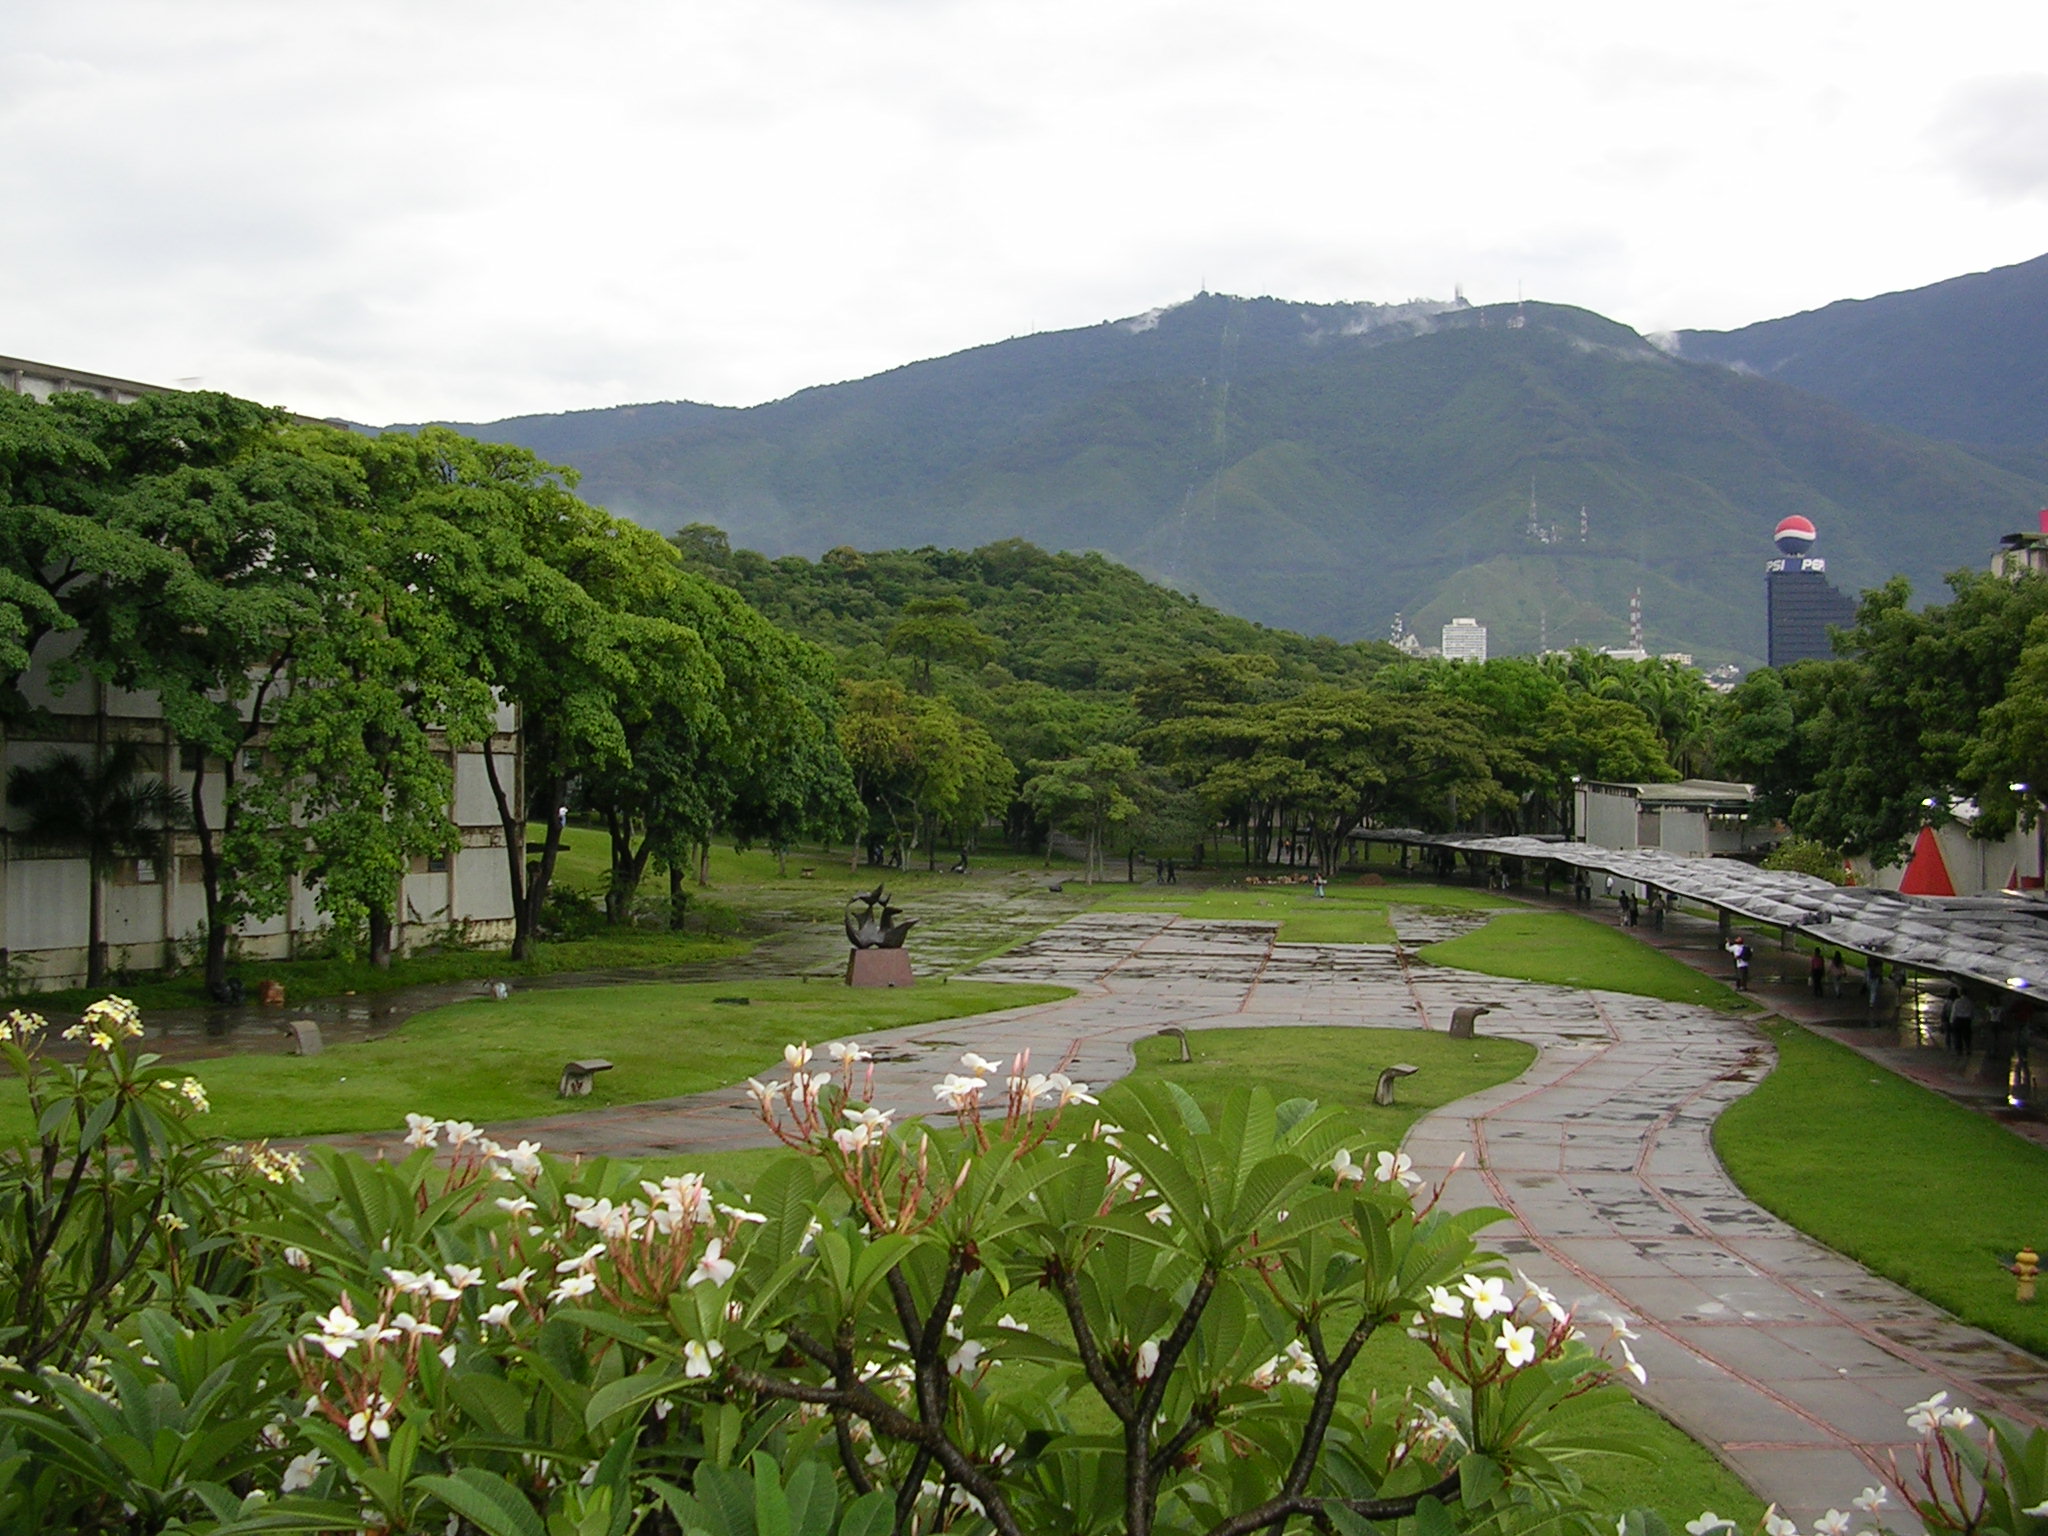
pixel 1323 468
pixel 1965 359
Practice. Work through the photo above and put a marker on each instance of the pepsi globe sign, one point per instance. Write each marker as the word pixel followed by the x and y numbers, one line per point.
pixel 1794 536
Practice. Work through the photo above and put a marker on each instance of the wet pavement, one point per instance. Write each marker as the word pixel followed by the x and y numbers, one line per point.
pixel 1791 1361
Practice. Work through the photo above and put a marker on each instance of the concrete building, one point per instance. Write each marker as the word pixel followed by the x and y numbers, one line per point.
pixel 2023 553
pixel 155 914
pixel 1694 817
pixel 1464 640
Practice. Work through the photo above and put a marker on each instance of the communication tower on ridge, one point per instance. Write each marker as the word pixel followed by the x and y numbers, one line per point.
pixel 1635 620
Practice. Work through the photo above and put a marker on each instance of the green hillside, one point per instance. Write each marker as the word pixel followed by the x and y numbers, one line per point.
pixel 1323 468
pixel 1965 359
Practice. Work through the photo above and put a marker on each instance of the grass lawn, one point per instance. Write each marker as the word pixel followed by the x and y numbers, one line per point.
pixel 307 979
pixel 1920 1189
pixel 487 1060
pixel 1574 951
pixel 1350 914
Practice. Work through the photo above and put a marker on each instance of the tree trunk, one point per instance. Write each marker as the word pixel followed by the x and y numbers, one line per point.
pixel 704 863
pixel 96 926
pixel 380 938
pixel 678 899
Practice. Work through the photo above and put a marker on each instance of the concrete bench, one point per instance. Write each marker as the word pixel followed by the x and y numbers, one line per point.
pixel 577 1077
pixel 1383 1095
pixel 306 1039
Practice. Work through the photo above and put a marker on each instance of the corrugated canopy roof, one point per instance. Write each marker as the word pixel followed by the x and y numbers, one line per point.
pixel 1998 941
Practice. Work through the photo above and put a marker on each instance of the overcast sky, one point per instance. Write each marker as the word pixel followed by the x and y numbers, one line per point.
pixel 393 211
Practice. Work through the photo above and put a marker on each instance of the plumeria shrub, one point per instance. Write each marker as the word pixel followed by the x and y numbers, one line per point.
pixel 1026 1313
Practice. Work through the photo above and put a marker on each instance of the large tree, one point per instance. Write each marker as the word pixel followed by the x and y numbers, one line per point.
pixel 105 806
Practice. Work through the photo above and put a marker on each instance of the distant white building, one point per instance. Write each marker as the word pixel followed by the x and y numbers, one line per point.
pixel 1696 817
pixel 1464 640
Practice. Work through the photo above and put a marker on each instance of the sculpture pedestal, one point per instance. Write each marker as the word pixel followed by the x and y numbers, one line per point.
pixel 878 968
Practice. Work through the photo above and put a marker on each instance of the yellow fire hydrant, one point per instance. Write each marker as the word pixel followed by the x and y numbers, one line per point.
pixel 2026 1265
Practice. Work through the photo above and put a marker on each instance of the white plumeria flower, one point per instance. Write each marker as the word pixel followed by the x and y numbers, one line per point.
pixel 697 1358
pixel 964 1359
pixel 460 1133
pixel 1957 1418
pixel 712 1266
pixel 796 1057
pixel 980 1066
pixel 300 1472
pixel 1347 1171
pixel 463 1277
pixel 1488 1295
pixel 518 1206
pixel 1632 1365
pixel 1518 1344
pixel 1442 1391
pixel 1444 1304
pixel 1833 1523
pixel 447 1358
pixel 500 1314
pixel 587 1259
pixel 339 1333
pixel 1160 1215
pixel 297 1258
pixel 1396 1168
pixel 1776 1524
pixel 957 1092
pixel 518 1282
pixel 1302 1368
pixel 409 1283
pixel 742 1214
pixel 1709 1521
pixel 574 1286
pixel 2037 1509
pixel 1925 1417
pixel 522 1160
pixel 763 1094
pixel 1011 1323
pixel 421 1130
pixel 851 1139
pixel 1148 1359
pixel 1871 1500
pixel 1619 1325
pixel 1265 1376
pixel 849 1052
pixel 1070 1092
pixel 405 1322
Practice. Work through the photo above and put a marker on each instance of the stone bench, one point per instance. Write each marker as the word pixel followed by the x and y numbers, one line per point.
pixel 577 1077
pixel 1383 1095
pixel 305 1035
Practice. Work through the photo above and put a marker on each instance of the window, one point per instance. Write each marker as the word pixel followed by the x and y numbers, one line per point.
pixel 437 863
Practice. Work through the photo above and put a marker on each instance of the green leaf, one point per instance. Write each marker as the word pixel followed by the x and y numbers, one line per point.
pixel 630 1392
pixel 486 1500
pixel 872 1514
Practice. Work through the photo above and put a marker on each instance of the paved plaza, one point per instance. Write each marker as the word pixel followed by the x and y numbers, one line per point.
pixel 1795 1363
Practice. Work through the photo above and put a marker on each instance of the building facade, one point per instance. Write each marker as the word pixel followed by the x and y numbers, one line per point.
pixel 155 911
pixel 1464 640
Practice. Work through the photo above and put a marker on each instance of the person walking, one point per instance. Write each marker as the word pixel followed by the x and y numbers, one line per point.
pixel 1873 982
pixel 1838 975
pixel 1817 975
pixel 1740 951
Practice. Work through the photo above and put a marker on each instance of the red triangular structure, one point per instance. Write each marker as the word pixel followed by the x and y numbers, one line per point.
pixel 1927 870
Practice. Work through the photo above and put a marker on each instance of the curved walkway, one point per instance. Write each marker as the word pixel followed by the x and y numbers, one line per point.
pixel 1793 1362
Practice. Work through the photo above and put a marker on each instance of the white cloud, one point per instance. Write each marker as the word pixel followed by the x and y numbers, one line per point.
pixel 1994 133
pixel 393 211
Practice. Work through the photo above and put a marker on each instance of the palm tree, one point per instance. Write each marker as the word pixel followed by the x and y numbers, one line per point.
pixel 107 809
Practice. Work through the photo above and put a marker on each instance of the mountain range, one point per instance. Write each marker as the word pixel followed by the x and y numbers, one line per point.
pixel 1325 468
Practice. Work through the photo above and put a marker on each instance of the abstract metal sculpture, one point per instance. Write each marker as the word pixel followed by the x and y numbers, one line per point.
pixel 877 957
pixel 875 927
